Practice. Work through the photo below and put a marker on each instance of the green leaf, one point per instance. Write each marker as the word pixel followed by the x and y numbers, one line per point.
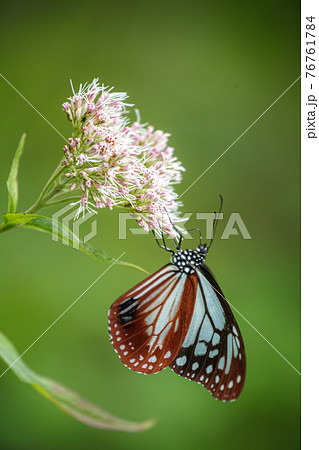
pixel 60 231
pixel 66 399
pixel 12 181
pixel 18 218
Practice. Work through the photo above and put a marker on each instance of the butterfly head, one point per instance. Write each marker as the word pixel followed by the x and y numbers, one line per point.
pixel 202 250
pixel 188 260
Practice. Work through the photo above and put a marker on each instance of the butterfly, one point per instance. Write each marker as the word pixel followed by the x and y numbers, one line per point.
pixel 179 317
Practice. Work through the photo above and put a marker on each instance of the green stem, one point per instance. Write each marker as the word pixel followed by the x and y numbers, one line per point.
pixel 57 172
pixel 46 194
pixel 4 227
pixel 49 192
pixel 43 199
pixel 61 200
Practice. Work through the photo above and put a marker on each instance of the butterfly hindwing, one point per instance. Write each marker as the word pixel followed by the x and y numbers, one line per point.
pixel 149 323
pixel 212 353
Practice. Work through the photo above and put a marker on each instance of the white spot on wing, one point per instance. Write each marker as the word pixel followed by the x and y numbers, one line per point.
pixel 213 353
pixel 181 361
pixel 209 369
pixel 216 339
pixel 200 349
pixel 229 352
pixel 221 363
pixel 152 359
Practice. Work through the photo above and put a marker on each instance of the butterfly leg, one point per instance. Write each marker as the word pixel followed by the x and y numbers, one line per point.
pixel 178 246
pixel 164 246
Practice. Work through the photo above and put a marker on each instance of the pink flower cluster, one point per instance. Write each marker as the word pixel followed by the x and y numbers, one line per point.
pixel 109 163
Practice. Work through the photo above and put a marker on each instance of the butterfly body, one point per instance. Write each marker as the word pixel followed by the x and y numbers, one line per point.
pixel 178 317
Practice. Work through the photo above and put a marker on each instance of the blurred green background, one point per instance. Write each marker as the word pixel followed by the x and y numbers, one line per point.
pixel 203 71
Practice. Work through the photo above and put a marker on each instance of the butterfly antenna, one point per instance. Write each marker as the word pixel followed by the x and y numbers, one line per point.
pixel 200 233
pixel 216 221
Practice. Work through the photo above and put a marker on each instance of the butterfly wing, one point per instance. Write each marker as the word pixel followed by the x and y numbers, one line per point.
pixel 147 324
pixel 213 351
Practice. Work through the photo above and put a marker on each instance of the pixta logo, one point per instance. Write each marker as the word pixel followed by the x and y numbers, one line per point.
pixel 234 226
pixel 66 229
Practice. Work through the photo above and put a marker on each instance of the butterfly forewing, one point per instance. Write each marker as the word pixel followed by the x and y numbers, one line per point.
pixel 213 351
pixel 149 323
